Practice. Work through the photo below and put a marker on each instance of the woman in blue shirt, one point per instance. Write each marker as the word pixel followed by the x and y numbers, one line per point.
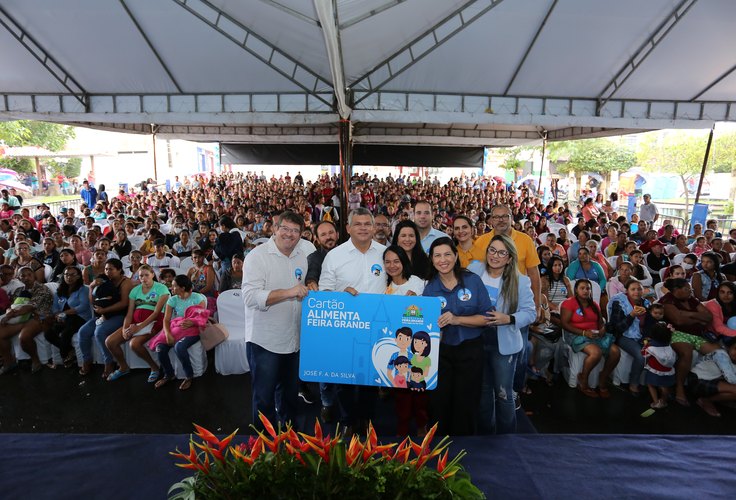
pixel 465 302
pixel 585 268
pixel 71 310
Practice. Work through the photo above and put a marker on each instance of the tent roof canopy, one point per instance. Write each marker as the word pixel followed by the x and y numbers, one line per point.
pixel 443 72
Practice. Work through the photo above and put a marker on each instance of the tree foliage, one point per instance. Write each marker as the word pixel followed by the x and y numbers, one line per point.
pixel 70 168
pixel 591 155
pixel 51 136
pixel 675 152
pixel 723 153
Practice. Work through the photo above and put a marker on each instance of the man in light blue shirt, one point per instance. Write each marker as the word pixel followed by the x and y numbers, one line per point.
pixel 423 217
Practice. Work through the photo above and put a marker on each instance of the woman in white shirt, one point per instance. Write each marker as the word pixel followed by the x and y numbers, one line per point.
pixel 409 404
pixel 400 280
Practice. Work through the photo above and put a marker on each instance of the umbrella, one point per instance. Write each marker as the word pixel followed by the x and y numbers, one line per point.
pixel 7 171
pixel 15 184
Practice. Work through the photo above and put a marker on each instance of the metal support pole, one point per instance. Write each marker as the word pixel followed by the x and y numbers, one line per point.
pixel 346 171
pixel 705 163
pixel 541 165
pixel 153 144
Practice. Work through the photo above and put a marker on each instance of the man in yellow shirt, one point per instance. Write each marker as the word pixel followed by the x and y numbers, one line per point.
pixel 528 258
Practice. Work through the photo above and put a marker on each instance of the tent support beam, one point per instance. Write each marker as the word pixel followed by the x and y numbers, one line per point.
pixel 45 58
pixel 530 47
pixel 714 83
pixel 418 48
pixel 327 12
pixel 371 13
pixel 644 50
pixel 150 45
pixel 252 43
pixel 705 163
pixel 292 12
pixel 346 172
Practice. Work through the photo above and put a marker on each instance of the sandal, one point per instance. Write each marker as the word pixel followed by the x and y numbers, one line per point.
pixel 708 407
pixel 116 375
pixel 162 382
pixel 683 402
pixel 604 392
pixel 8 368
pixel 70 360
pixel 153 376
pixel 186 384
pixel 588 392
pixel 85 369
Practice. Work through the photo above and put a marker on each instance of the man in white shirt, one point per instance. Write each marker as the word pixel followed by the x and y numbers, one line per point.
pixel 648 211
pixel 273 289
pixel 356 267
pixel 423 218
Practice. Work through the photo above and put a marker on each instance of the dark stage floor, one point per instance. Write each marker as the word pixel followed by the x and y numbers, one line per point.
pixel 60 401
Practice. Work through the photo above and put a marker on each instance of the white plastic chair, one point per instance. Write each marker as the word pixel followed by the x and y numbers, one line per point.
pixel 658 290
pixel 230 355
pixel 48 272
pixel 574 365
pixel 612 260
pixel 126 261
pixel 185 265
pixel 662 272
pixel 677 259
pixel 136 241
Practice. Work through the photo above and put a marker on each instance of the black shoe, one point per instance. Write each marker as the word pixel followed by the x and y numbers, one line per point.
pixel 326 414
pixel 306 395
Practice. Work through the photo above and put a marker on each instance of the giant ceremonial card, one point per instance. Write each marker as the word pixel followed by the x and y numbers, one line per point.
pixel 369 339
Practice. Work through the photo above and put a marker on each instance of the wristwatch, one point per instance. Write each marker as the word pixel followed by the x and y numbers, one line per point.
pixel 512 320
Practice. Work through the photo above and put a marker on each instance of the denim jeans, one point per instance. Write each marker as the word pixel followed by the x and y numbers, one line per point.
pixel 633 348
pixel 497 412
pixel 327 393
pixel 522 358
pixel 225 266
pixel 100 332
pixel 269 370
pixel 181 349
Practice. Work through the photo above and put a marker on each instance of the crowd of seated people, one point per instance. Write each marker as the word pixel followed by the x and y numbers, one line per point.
pixel 599 288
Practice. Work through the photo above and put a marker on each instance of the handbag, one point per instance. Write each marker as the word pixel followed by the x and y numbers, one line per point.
pixel 551 332
pixel 212 335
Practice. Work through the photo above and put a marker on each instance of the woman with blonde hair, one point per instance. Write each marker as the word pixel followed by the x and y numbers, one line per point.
pixel 512 308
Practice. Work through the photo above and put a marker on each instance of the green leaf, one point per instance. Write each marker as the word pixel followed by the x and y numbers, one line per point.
pixel 185 487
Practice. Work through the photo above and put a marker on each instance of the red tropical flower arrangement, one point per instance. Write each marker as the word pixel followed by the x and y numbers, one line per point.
pixel 289 464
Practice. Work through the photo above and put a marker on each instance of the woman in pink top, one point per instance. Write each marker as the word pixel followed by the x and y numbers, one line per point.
pixel 589 210
pixel 722 308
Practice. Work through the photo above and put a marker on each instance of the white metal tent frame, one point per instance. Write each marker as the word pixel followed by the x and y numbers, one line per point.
pixel 292 69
